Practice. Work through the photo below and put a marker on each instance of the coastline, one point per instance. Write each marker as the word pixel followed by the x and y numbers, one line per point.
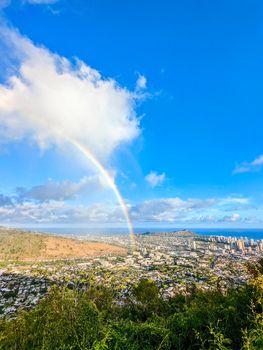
pixel 256 234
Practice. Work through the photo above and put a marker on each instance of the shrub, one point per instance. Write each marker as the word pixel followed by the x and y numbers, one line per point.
pixel 71 320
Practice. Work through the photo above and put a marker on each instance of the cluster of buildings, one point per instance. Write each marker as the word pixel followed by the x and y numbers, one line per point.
pixel 176 261
pixel 231 245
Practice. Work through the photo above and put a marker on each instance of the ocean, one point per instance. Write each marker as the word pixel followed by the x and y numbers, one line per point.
pixel 256 234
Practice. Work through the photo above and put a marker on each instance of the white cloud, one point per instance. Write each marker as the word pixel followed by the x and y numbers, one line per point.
pixel 233 200
pixel 59 212
pixel 232 218
pixel 169 209
pixel 155 179
pixel 28 212
pixel 191 210
pixel 173 210
pixel 141 82
pixel 246 167
pixel 61 191
pixel 48 98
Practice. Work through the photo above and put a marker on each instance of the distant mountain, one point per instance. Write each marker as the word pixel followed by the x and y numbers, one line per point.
pixel 146 233
pixel 180 233
pixel 184 233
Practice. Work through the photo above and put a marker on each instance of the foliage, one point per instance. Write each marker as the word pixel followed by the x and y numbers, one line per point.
pixel 97 320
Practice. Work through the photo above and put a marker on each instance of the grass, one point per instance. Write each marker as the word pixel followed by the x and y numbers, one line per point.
pixel 20 245
pixel 26 246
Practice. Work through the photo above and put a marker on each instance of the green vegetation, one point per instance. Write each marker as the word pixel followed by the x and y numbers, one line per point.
pixel 96 319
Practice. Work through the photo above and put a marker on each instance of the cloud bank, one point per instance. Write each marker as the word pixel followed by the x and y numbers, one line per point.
pixel 50 204
pixel 61 191
pixel 48 98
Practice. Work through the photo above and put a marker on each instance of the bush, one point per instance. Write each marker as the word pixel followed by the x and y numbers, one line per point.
pixel 63 320
pixel 73 320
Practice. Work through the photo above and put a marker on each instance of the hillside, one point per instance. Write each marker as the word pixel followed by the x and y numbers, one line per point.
pixel 184 233
pixel 27 246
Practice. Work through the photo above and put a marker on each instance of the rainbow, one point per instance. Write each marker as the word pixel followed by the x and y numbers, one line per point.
pixel 86 152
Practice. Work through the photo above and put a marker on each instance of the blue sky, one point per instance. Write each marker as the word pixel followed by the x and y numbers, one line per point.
pixel 178 115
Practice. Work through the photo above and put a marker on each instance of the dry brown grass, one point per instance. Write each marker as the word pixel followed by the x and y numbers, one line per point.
pixel 26 246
